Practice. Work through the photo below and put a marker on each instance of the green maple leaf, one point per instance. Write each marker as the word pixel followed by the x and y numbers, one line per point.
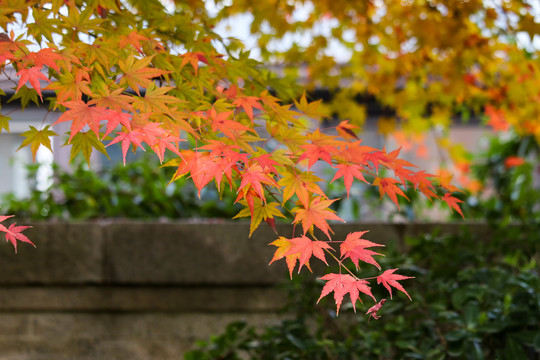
pixel 35 138
pixel 4 122
pixel 260 212
pixel 86 142
pixel 26 95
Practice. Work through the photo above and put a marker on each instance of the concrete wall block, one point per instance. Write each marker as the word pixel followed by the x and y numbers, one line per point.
pixel 65 253
pixel 154 253
pixel 138 299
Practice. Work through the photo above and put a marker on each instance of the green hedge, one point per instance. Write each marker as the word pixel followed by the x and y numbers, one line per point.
pixel 472 299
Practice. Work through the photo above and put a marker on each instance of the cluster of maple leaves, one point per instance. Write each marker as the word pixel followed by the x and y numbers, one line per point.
pixel 213 114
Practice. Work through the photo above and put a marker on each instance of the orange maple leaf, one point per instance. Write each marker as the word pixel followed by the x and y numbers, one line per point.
pixel 283 246
pixel 248 103
pixel 44 56
pixel 322 147
pixel 221 122
pixel 81 115
pixel 344 284
pixel 71 85
pixel 137 73
pixel 496 119
pixel 193 58
pixel 346 130
pixel 301 184
pixel 316 214
pixel 306 248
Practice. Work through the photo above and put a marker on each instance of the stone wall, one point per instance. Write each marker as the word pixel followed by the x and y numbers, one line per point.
pixel 143 290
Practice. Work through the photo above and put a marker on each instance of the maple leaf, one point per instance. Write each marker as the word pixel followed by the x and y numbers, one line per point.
pixel 349 172
pixel 81 114
pixel 204 167
pixel 46 57
pixel 137 73
pixel 4 122
pixel 322 147
pixel 389 279
pixel 388 186
pixel 346 130
pixel 260 211
pixel 316 214
pixel 114 119
pixel 306 248
pixel 254 177
pixel 248 103
pixel 32 75
pixel 513 161
pixel 283 246
pixel 372 311
pixel 300 183
pixel 193 58
pixel 344 284
pixel 221 122
pixel 496 119
pixel 155 100
pixel 452 203
pixel 85 142
pixel 35 138
pixel 134 137
pixel 354 247
pixel 267 163
pixel 113 100
pixel 14 233
pixel 163 143
pixel 445 177
pixel 71 86
pixel 134 39
pixel 309 109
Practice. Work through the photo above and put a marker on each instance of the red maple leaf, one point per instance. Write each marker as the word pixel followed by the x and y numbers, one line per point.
pixel 389 279
pixel 355 248
pixel 134 137
pixel 160 144
pixel 306 247
pixel 349 172
pixel 115 118
pixel 32 75
pixel 372 311
pixel 452 203
pixel 342 285
pixel 14 233
pixel 267 163
pixel 513 161
pixel 255 177
pixel 316 213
